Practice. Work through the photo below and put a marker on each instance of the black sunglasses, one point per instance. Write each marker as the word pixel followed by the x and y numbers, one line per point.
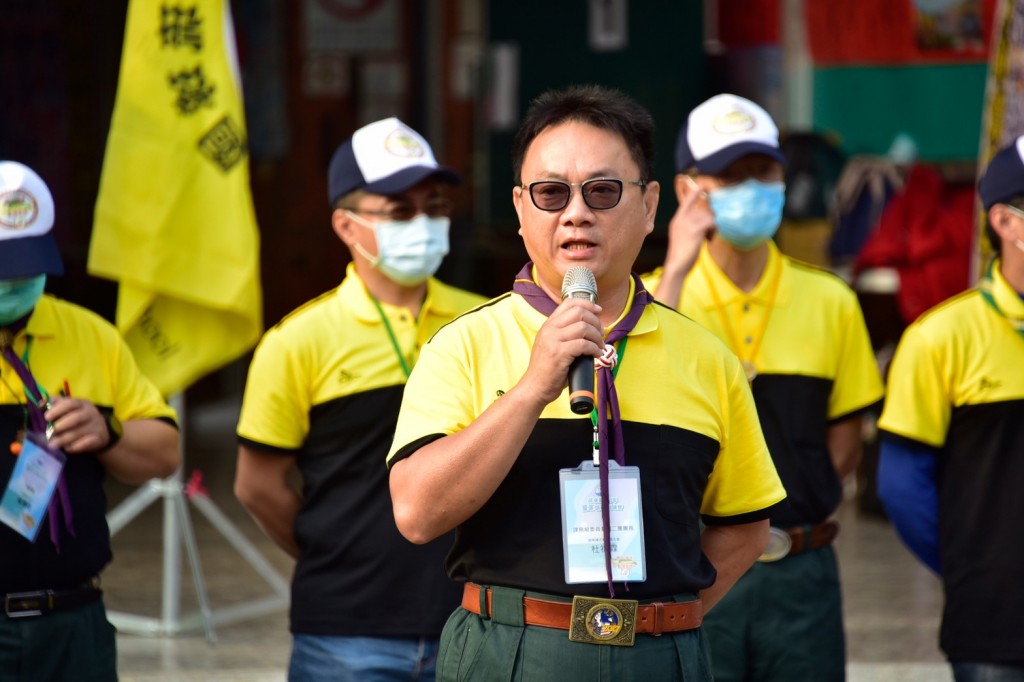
pixel 599 193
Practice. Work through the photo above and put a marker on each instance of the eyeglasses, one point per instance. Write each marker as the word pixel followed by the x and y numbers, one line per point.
pixel 1014 210
pixel 434 208
pixel 599 194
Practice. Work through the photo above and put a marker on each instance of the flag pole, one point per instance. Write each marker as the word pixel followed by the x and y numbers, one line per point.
pixel 181 240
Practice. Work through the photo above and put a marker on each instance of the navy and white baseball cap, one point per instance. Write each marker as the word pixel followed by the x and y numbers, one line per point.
pixel 384 157
pixel 1004 176
pixel 723 129
pixel 27 245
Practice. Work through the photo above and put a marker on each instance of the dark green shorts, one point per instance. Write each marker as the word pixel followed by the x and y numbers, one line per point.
pixel 502 648
pixel 781 621
pixel 77 645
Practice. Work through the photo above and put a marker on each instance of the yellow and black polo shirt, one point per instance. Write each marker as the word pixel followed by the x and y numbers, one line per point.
pixel 688 423
pixel 324 386
pixel 955 384
pixel 815 365
pixel 67 343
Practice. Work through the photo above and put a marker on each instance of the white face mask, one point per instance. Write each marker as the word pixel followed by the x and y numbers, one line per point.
pixel 407 251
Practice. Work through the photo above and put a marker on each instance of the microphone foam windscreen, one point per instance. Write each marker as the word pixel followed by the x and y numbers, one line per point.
pixel 579 282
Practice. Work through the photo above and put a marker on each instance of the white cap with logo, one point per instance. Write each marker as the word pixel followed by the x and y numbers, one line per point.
pixel 27 245
pixel 721 130
pixel 384 157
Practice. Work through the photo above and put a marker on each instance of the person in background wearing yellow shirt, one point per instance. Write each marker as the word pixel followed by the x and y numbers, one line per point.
pixel 951 468
pixel 800 335
pixel 322 396
pixel 74 407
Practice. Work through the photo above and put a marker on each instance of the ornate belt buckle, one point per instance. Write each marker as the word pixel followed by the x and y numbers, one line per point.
pixel 603 621
pixel 779 544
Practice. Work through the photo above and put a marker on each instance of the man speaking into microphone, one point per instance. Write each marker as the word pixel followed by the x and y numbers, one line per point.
pixel 579 536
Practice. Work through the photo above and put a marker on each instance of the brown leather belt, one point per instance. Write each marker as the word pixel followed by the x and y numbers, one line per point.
pixel 653 618
pixel 787 542
pixel 814 537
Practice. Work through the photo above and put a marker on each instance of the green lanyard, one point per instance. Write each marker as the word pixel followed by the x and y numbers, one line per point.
pixel 615 373
pixel 391 335
pixel 985 287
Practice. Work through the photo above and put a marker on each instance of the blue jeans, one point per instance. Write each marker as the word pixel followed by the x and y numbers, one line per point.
pixel 987 672
pixel 317 658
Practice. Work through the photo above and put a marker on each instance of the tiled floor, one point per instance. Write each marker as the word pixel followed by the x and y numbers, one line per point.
pixel 892 604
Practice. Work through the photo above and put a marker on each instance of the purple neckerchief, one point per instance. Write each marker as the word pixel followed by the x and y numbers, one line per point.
pixel 607 398
pixel 35 402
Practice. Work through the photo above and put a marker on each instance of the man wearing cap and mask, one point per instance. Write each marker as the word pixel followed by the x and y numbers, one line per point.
pixel 951 467
pixel 73 407
pixel 322 396
pixel 801 338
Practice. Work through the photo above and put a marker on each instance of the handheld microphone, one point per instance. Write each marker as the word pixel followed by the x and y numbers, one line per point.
pixel 579 282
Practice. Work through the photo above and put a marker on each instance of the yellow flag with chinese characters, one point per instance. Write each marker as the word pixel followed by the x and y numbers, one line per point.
pixel 174 223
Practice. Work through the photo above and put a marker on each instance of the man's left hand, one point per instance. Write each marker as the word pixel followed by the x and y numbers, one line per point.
pixel 78 426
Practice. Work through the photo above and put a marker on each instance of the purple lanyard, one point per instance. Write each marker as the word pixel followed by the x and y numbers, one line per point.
pixel 35 401
pixel 609 418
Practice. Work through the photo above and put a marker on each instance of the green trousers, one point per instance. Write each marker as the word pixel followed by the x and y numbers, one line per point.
pixel 478 649
pixel 780 622
pixel 77 645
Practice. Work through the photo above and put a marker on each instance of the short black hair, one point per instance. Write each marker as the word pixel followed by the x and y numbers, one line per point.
pixel 595 105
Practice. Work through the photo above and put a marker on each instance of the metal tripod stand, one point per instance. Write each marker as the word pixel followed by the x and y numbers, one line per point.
pixel 177 530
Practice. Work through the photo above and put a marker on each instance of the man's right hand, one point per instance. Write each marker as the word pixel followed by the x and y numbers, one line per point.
pixel 572 330
pixel 691 225
pixel 449 479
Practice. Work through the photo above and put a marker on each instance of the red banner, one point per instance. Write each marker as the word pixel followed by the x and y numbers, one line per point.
pixel 843 33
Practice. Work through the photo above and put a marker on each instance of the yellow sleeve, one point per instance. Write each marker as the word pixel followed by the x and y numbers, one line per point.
pixel 917 401
pixel 438 398
pixel 858 382
pixel 744 479
pixel 135 396
pixel 276 403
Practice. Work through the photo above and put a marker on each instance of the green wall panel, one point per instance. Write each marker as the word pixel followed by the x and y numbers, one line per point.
pixel 662 66
pixel 939 106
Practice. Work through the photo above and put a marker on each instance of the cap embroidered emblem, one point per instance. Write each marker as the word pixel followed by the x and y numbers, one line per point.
pixel 733 122
pixel 18 210
pixel 400 143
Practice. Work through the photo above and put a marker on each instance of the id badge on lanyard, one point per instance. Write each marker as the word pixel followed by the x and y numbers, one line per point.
pixel 31 486
pixel 583 530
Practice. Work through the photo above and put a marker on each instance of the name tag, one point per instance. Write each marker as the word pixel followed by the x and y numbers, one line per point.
pixel 583 528
pixel 31 487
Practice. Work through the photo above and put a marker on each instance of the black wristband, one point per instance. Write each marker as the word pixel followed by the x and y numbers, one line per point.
pixel 114 429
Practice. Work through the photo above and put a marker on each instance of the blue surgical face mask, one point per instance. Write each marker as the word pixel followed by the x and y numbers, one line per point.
pixel 410 251
pixel 19 296
pixel 749 213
